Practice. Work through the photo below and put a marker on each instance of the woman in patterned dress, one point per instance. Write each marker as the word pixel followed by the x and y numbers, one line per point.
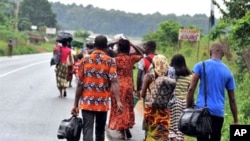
pixel 122 122
pixel 157 120
pixel 183 76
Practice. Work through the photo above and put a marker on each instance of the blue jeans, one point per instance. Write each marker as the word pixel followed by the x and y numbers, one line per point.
pixel 91 118
pixel 217 123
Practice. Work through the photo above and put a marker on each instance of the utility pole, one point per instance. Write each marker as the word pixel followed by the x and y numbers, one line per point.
pixel 17 11
pixel 211 20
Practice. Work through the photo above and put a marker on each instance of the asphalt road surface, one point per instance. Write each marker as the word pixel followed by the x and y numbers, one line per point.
pixel 30 109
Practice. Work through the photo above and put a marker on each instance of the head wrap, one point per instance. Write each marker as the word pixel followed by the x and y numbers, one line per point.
pixel 160 63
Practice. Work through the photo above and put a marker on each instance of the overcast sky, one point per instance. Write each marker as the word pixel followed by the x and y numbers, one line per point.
pixel 178 7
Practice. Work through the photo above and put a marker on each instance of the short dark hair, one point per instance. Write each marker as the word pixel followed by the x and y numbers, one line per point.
pixel 90 45
pixel 123 46
pixel 79 56
pixel 101 42
pixel 151 45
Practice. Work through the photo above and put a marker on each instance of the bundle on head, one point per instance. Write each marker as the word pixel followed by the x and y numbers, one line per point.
pixel 64 37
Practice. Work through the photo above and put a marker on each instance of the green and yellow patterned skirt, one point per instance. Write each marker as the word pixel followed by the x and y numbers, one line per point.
pixel 157 123
pixel 61 75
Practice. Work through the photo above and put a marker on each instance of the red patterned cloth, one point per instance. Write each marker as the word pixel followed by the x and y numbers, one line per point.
pixel 125 120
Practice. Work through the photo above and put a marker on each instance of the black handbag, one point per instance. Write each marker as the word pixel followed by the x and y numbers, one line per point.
pixel 196 122
pixel 70 129
pixel 55 60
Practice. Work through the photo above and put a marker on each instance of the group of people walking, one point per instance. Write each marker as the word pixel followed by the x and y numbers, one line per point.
pixel 105 82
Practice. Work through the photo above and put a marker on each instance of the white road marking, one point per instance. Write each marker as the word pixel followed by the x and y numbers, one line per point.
pixel 21 68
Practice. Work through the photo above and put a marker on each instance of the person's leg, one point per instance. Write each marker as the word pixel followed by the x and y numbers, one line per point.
pixel 203 138
pixel 217 123
pixel 217 126
pixel 128 134
pixel 70 75
pixel 64 92
pixel 101 118
pixel 88 123
pixel 10 51
pixel 60 91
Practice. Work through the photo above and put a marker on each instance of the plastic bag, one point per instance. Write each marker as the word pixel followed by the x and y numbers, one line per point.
pixel 70 129
pixel 64 36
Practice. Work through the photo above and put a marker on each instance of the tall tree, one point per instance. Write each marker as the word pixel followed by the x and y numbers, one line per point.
pixel 7 8
pixel 7 12
pixel 235 23
pixel 38 12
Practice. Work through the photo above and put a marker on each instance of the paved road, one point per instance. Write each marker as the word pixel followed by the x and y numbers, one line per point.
pixel 30 107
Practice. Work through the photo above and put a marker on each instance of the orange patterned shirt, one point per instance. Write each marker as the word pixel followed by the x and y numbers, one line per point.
pixel 96 72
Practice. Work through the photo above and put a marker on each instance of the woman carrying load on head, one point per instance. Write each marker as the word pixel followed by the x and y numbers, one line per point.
pixel 124 121
pixel 62 68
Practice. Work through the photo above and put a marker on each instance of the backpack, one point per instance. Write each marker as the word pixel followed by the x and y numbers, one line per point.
pixel 162 92
pixel 148 64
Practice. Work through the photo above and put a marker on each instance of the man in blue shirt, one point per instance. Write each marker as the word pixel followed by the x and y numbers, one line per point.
pixel 218 79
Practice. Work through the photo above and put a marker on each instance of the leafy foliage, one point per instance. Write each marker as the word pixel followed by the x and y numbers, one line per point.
pixel 241 31
pixel 235 27
pixel 37 13
pixel 166 34
pixel 82 34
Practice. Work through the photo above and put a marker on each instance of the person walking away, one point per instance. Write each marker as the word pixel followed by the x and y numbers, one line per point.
pixel 144 63
pixel 10 48
pixel 125 63
pixel 157 120
pixel 179 71
pixel 62 68
pixel 97 78
pixel 144 66
pixel 219 78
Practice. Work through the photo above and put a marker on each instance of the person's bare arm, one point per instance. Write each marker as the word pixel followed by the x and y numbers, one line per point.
pixel 78 94
pixel 191 90
pixel 139 79
pixel 112 44
pixel 145 85
pixel 233 105
pixel 138 49
pixel 115 91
